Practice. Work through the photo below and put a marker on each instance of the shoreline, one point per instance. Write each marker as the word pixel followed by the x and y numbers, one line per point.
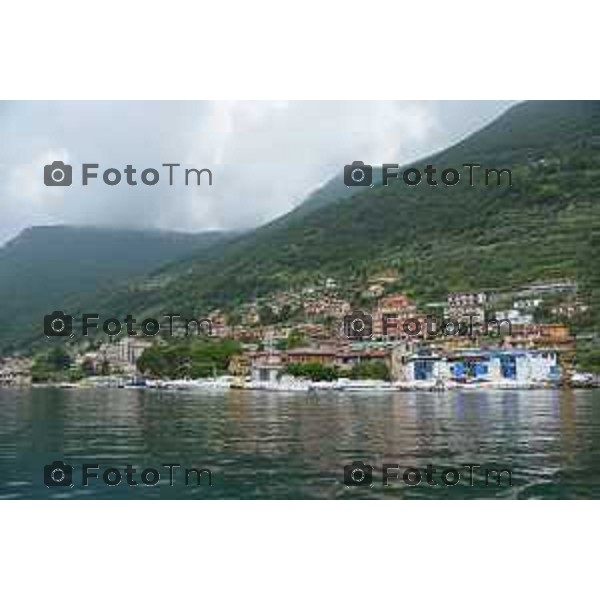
pixel 301 386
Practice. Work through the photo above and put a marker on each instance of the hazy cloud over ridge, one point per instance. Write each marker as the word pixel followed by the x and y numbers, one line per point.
pixel 265 156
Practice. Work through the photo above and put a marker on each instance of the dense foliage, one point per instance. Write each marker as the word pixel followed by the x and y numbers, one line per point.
pixel 318 372
pixel 188 358
pixel 312 370
pixel 54 365
pixel 371 370
pixel 436 238
pixel 52 268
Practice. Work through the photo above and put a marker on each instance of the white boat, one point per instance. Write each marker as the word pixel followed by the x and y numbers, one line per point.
pixel 326 385
pixel 208 383
pixel 215 383
pixel 364 385
pixel 285 384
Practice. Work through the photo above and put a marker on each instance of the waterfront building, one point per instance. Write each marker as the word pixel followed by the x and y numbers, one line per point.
pixel 347 358
pixel 323 355
pixel 400 353
pixel 266 366
pixel 269 365
pixel 474 365
pixel 425 366
pixel 118 355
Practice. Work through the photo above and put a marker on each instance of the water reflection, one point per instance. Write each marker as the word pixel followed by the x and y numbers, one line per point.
pixel 295 446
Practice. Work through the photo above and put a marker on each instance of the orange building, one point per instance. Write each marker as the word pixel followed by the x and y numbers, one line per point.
pixel 323 356
pixel 390 314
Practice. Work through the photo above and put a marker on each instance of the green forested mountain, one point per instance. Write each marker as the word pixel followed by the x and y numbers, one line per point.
pixel 437 238
pixel 43 268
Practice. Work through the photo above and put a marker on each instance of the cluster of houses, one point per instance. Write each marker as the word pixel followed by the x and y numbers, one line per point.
pixel 269 365
pixel 413 345
pixel 409 361
pixel 15 371
pixel 116 356
pixel 518 349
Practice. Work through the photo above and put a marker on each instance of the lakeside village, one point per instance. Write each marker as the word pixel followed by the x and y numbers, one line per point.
pixel 298 340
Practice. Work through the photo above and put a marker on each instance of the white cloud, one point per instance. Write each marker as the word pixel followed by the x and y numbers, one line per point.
pixel 265 156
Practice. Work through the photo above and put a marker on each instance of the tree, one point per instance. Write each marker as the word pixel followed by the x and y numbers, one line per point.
pixel 87 367
pixel 234 319
pixel 313 371
pixel 52 365
pixel 295 339
pixel 371 370
pixel 58 358
pixel 266 315
pixel 188 357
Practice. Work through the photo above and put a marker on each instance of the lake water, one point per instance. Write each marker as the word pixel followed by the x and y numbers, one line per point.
pixel 267 445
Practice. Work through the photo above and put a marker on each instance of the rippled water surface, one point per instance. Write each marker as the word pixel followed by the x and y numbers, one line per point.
pixel 261 445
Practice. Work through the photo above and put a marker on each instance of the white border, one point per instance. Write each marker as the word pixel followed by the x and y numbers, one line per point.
pixel 269 49
pixel 299 550
pixel 144 49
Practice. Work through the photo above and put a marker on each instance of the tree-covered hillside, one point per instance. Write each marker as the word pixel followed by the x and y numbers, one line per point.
pixel 44 267
pixel 437 238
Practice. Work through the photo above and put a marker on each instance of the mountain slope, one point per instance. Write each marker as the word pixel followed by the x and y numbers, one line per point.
pixel 44 266
pixel 438 238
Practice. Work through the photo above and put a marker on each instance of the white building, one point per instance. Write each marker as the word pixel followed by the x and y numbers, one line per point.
pixel 123 354
pixel 527 303
pixel 520 366
pixel 515 316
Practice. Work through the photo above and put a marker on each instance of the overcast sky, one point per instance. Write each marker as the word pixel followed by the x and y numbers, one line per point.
pixel 265 156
